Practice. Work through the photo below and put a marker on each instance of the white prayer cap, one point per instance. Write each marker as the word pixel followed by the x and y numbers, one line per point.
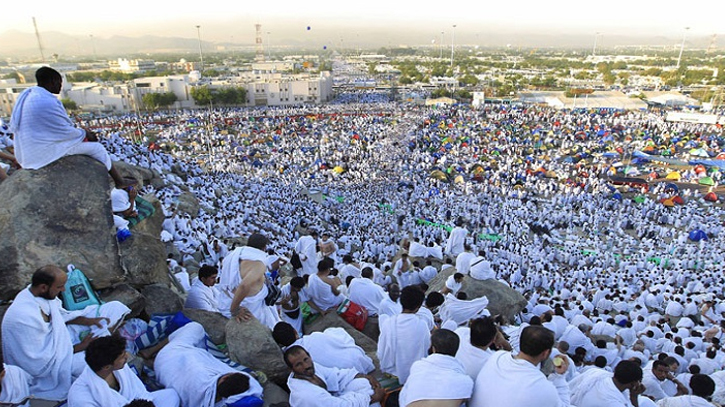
pixel 119 200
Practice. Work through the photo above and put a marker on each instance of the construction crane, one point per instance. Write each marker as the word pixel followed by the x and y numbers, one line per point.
pixel 37 36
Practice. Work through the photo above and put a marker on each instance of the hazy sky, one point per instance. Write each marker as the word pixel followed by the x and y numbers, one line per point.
pixel 232 21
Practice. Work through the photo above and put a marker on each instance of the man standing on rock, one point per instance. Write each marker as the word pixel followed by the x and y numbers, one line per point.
pixel 44 133
pixel 306 248
pixel 251 291
pixel 43 338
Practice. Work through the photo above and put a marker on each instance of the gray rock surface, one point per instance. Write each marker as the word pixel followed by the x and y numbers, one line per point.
pixel 128 296
pixel 160 299
pixel 143 255
pixel 142 175
pixel 274 396
pixel 250 343
pixel 188 203
pixel 214 323
pixel 58 215
pixel 501 299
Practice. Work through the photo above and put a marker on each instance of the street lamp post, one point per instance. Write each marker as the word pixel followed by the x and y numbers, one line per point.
pixel 453 39
pixel 594 50
pixel 201 55
pixel 440 46
pixel 682 46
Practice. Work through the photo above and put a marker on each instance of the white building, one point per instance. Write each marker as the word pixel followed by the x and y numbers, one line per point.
pixel 131 65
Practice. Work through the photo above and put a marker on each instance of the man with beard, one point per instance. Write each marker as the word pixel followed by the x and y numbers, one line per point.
pixel 36 338
pixel 311 384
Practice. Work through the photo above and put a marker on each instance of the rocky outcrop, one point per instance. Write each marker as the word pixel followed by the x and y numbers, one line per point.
pixel 214 323
pixel 59 214
pixel 128 296
pixel 143 256
pixel 144 176
pixel 189 204
pixel 160 299
pixel 274 396
pixel 250 343
pixel 502 300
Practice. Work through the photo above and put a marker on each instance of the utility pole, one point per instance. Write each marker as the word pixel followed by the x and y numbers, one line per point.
pixel 201 55
pixel 453 39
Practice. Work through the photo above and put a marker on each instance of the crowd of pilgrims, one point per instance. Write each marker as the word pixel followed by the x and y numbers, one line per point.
pixel 371 173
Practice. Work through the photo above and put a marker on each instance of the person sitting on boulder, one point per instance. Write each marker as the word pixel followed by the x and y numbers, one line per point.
pixel 123 202
pixel 44 133
pixel 332 347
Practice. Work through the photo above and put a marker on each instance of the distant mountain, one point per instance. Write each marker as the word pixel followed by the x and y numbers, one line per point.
pixel 23 45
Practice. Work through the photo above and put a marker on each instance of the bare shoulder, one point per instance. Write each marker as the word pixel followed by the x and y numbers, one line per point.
pixel 252 270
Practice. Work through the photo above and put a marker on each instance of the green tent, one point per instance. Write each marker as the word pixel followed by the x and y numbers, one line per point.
pixel 639 198
pixel 706 181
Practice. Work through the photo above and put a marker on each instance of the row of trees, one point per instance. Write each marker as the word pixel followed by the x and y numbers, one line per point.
pixel 153 101
pixel 204 95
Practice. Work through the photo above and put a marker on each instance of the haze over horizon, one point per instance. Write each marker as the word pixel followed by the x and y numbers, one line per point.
pixel 315 24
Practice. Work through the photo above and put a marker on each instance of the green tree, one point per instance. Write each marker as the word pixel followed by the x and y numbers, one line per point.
pixel 468 80
pixel 230 96
pixel 69 105
pixel 154 101
pixel 201 94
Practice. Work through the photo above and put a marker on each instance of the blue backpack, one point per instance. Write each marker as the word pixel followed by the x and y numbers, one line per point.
pixel 78 292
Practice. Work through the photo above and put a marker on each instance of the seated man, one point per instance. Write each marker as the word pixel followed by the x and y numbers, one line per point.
pixel 313 385
pixel 200 379
pixel 202 294
pixel 41 337
pixel 44 133
pixel 475 342
pixel 292 295
pixel 453 284
pixel 366 293
pixel 439 380
pixel 333 347
pixel 703 386
pixel 107 381
pixel 516 381
pixel 322 289
pixel 14 383
pixel 405 337
pixel 123 202
pixel 599 388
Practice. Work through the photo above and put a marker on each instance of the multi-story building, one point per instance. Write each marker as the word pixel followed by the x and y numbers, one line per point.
pixel 131 65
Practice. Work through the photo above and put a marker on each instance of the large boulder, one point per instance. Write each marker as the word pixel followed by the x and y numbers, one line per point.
pixel 127 296
pixel 143 256
pixel 502 300
pixel 59 214
pixel 188 203
pixel 214 323
pixel 250 343
pixel 142 175
pixel 160 299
